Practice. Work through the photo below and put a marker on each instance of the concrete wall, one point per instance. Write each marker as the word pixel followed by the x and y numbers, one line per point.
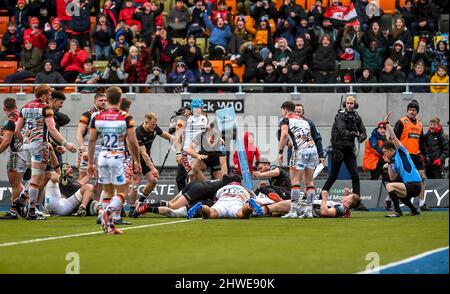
pixel 261 115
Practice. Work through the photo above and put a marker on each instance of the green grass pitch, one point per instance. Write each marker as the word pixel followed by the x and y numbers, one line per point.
pixel 257 245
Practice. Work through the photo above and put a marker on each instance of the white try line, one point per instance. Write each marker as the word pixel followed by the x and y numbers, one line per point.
pixel 403 261
pixel 89 233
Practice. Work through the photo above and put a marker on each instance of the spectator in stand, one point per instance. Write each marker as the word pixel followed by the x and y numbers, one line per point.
pixel 240 36
pixel 373 154
pixel 327 29
pixel 192 55
pixel 390 75
pixel 48 74
pixel 221 12
pixel 263 35
pixel 120 48
pixel 90 75
pixel 35 35
pixel 294 73
pixel 178 19
pixel 437 150
pixel 426 14
pixel 251 151
pixel 196 25
pixel 57 33
pixel 29 65
pixel 290 9
pixel 101 37
pixel 406 12
pixel 317 11
pixel 306 30
pixel 135 64
pixel 399 57
pixel 372 57
pixel 73 61
pixel 129 34
pixel 157 77
pixel 21 14
pixel 374 33
pixel 126 15
pixel 147 17
pixel 401 32
pixel 418 76
pixel 109 12
pixel 61 12
pixel 229 77
pixel 368 13
pixel 220 35
pixel 366 78
pixel 282 52
pixel 324 63
pixel 54 55
pixel 441 76
pixel 208 76
pixel 114 73
pixel 302 53
pixel 252 59
pixel 80 24
pixel 43 10
pixel 167 48
pixel 424 55
pixel 181 75
pixel 441 55
pixel 11 42
pixel 286 29
pixel 263 8
pixel 268 74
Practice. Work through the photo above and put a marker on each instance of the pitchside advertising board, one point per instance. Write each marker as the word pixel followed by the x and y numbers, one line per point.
pixel 212 105
pixel 373 192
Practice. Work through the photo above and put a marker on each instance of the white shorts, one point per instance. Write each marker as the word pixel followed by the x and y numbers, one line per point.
pixel 17 162
pixel 227 207
pixel 56 205
pixel 36 152
pixel 111 169
pixel 304 158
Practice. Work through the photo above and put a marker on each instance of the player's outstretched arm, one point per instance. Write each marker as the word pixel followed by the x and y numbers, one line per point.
pixel 324 210
pixel 50 123
pixel 390 131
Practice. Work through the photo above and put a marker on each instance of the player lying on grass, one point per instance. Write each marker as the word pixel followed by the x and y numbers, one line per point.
pixel 233 201
pixel 192 193
pixel 406 182
pixel 64 195
pixel 321 208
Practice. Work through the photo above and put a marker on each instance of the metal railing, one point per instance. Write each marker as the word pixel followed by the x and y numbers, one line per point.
pixel 184 88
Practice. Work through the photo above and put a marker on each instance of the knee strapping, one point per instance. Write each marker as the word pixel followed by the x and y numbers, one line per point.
pixel 36 172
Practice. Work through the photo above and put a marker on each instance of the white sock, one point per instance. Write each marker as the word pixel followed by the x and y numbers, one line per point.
pixel 180 212
pixel 115 204
pixel 421 202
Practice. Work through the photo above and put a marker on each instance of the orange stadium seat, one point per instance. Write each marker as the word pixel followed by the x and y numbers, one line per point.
pixel 345 2
pixel 217 66
pixel 7 68
pixel 5 90
pixel 388 6
pixel 238 70
pixel 27 90
pixel 3 24
pixel 69 90
pixel 233 5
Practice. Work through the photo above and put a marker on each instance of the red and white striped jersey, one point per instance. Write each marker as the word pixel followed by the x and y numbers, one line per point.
pixel 34 114
pixel 299 132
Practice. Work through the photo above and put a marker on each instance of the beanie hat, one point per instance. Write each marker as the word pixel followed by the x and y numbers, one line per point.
pixel 413 104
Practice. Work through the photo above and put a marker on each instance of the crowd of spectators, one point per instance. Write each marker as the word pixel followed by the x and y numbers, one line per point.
pixel 55 42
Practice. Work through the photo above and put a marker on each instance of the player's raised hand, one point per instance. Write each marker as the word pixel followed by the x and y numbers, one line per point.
pixel 386 118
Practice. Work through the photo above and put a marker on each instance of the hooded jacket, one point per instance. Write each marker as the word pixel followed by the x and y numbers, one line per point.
pixel 437 79
pixel 49 77
pixel 148 21
pixel 373 152
pixel 251 151
pixel 436 144
pixel 74 62
pixel 31 59
pixel 400 58
pixel 101 37
pixel 60 37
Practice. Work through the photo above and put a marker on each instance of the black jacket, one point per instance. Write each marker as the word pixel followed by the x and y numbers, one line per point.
pixel 437 146
pixel 324 58
pixel 342 132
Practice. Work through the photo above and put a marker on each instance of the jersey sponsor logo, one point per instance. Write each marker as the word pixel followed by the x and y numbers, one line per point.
pixel 413 135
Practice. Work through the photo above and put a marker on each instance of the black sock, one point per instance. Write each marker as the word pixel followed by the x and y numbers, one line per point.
pixel 407 202
pixel 142 198
pixel 395 201
pixel 164 203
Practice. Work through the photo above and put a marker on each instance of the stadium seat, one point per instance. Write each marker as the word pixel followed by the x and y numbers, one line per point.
pixel 388 7
pixel 202 43
pixel 5 90
pixel 347 2
pixel 233 5
pixel 101 65
pixel 238 70
pixel 3 12
pixel 69 90
pixel 27 90
pixel 7 68
pixel 302 3
pixel 3 24
pixel 217 65
pixel 348 64
pixel 93 22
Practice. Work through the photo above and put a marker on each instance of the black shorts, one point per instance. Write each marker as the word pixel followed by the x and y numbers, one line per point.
pixel 417 160
pixel 144 167
pixel 194 191
pixel 213 163
pixel 274 189
pixel 83 39
pixel 413 189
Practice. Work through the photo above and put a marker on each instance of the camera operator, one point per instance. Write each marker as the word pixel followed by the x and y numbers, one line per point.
pixel 156 77
pixel 347 127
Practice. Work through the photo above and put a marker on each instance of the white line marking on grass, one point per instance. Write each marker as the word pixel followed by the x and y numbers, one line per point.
pixel 403 261
pixel 89 233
